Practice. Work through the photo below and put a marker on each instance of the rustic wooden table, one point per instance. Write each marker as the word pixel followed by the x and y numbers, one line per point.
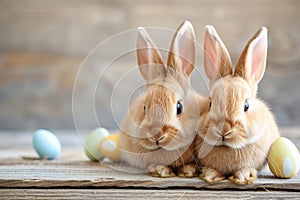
pixel 73 176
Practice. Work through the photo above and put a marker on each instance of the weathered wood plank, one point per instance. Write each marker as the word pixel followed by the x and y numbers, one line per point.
pixel 25 194
pixel 20 168
pixel 79 172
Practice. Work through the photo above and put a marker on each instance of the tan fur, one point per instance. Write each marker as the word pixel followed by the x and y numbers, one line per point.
pixel 232 142
pixel 140 150
pixel 158 139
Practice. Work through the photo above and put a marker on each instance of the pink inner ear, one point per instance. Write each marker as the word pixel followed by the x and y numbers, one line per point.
pixel 148 56
pixel 183 49
pixel 257 57
pixel 144 59
pixel 210 57
pixel 143 47
pixel 143 56
pixel 187 58
pixel 185 54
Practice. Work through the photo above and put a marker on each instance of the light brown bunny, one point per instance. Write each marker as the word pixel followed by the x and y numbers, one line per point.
pixel 161 125
pixel 237 131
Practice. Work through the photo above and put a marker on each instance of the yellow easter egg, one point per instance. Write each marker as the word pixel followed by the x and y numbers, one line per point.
pixel 284 158
pixel 110 148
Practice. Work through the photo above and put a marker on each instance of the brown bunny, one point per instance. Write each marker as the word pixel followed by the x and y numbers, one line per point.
pixel 237 131
pixel 161 125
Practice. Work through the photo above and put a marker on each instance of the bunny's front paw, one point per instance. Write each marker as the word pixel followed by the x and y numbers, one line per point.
pixel 244 176
pixel 160 171
pixel 211 175
pixel 188 171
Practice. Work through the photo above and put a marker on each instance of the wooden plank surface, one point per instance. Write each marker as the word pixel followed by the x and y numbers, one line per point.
pixel 86 174
pixel 141 194
pixel 20 168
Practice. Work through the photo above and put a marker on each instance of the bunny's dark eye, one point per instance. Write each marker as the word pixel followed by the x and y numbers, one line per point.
pixel 179 108
pixel 246 106
pixel 210 104
pixel 144 108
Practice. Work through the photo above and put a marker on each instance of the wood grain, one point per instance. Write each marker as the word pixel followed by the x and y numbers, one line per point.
pixel 141 194
pixel 85 174
pixel 21 168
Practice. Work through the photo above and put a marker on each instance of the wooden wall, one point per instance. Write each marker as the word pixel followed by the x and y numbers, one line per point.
pixel 43 44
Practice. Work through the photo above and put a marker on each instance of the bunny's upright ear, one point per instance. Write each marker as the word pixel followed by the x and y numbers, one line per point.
pixel 252 62
pixel 150 61
pixel 182 52
pixel 217 62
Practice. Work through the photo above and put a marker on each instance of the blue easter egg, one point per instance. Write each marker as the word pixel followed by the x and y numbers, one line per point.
pixel 46 144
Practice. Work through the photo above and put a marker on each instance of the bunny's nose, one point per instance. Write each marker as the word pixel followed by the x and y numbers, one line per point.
pixel 158 134
pixel 226 128
pixel 159 139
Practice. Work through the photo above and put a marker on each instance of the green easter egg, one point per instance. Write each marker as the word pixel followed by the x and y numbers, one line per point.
pixel 92 143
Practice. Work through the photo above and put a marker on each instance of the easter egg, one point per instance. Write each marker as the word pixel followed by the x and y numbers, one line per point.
pixel 46 144
pixel 92 142
pixel 110 148
pixel 284 158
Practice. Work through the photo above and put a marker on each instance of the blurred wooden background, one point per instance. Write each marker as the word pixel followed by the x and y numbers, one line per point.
pixel 43 44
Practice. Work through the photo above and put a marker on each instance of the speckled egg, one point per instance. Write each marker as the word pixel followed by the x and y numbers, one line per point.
pixel 92 142
pixel 110 148
pixel 284 158
pixel 46 144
